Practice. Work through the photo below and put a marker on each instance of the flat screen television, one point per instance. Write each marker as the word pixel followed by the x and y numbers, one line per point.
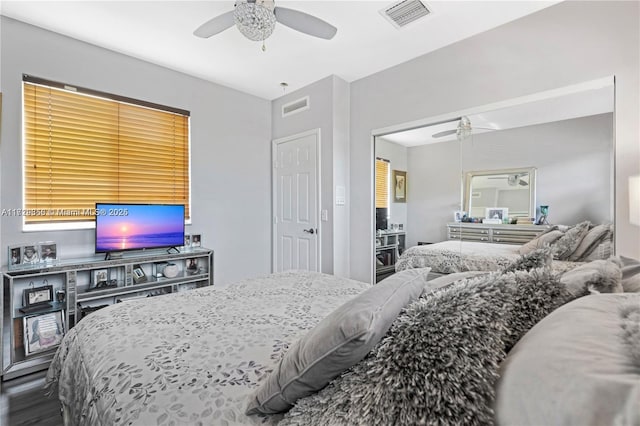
pixel 382 218
pixel 121 227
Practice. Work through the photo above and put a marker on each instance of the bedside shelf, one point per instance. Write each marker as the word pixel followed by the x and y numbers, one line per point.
pixel 74 281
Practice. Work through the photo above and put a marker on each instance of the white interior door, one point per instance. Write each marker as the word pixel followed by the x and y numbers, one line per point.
pixel 295 202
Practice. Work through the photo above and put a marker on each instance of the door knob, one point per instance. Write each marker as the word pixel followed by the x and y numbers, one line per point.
pixel 310 231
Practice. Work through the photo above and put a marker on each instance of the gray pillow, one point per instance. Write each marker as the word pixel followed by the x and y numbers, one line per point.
pixel 589 243
pixel 540 241
pixel 438 364
pixel 599 276
pixel 630 275
pixel 568 243
pixel 572 368
pixel 338 342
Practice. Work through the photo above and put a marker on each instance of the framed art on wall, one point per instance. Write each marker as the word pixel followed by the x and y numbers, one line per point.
pixel 399 182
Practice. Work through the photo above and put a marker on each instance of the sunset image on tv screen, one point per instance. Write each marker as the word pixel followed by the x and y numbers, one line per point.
pixel 138 226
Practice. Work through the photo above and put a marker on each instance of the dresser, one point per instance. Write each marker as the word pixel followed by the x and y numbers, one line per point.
pixel 498 233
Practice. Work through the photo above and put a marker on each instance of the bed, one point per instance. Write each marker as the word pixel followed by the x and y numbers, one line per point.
pixel 449 257
pixel 204 356
pixel 191 357
pixel 572 246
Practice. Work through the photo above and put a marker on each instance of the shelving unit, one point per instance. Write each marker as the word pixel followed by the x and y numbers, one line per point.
pixel 389 246
pixel 81 286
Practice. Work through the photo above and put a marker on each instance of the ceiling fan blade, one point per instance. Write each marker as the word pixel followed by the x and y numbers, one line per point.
pixel 444 133
pixel 304 23
pixel 215 25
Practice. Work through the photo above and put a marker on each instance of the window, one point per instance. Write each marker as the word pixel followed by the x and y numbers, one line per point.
pixel 382 183
pixel 83 147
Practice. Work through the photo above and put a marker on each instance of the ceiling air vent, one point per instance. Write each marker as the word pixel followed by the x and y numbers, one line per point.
pixel 405 12
pixel 296 106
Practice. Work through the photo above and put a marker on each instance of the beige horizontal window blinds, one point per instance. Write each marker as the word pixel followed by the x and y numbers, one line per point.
pixel 82 149
pixel 382 183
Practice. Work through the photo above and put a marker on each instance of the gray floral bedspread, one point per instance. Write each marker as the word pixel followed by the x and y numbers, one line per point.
pixel 188 358
pixel 449 257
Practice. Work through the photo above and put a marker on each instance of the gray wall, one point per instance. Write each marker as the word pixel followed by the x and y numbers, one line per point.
pixel 572 158
pixel 568 43
pixel 230 145
pixel 329 111
pixel 341 125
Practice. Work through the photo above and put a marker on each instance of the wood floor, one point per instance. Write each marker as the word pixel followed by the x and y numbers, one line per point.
pixel 22 402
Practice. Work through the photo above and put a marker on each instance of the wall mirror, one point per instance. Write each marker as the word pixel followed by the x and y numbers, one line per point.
pixel 565 134
pixel 511 189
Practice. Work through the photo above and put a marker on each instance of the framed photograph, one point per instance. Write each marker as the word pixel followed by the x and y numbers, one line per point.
pixel 30 254
pixel 15 256
pixel 458 215
pixel 496 213
pixel 138 274
pixel 399 183
pixel 38 295
pixel 192 266
pixel 100 277
pixel 187 240
pixel 196 240
pixel 48 251
pixel 43 332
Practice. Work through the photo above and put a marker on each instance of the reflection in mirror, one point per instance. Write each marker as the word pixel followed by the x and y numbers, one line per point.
pixel 512 189
pixel 566 135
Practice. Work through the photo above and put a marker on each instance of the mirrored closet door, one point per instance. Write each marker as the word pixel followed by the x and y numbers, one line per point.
pixel 499 163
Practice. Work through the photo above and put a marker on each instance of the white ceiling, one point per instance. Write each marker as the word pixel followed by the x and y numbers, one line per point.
pixel 161 32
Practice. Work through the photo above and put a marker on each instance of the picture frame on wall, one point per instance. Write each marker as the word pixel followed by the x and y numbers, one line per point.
pixel 43 332
pixel 399 182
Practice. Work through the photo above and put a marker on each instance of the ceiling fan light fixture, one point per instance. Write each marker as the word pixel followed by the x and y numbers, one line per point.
pixel 255 20
pixel 464 128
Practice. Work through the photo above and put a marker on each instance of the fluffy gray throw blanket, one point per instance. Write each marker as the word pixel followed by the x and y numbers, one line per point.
pixel 438 363
pixel 630 323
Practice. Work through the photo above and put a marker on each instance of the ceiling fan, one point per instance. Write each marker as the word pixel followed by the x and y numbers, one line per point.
pixel 513 179
pixel 462 131
pixel 256 20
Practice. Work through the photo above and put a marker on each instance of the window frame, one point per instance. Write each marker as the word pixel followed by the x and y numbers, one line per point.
pixel 90 224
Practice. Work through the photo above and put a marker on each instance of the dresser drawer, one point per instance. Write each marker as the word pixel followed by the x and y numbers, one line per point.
pixel 469 237
pixel 499 233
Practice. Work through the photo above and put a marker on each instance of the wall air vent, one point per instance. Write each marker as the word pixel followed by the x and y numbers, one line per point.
pixel 296 106
pixel 404 12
